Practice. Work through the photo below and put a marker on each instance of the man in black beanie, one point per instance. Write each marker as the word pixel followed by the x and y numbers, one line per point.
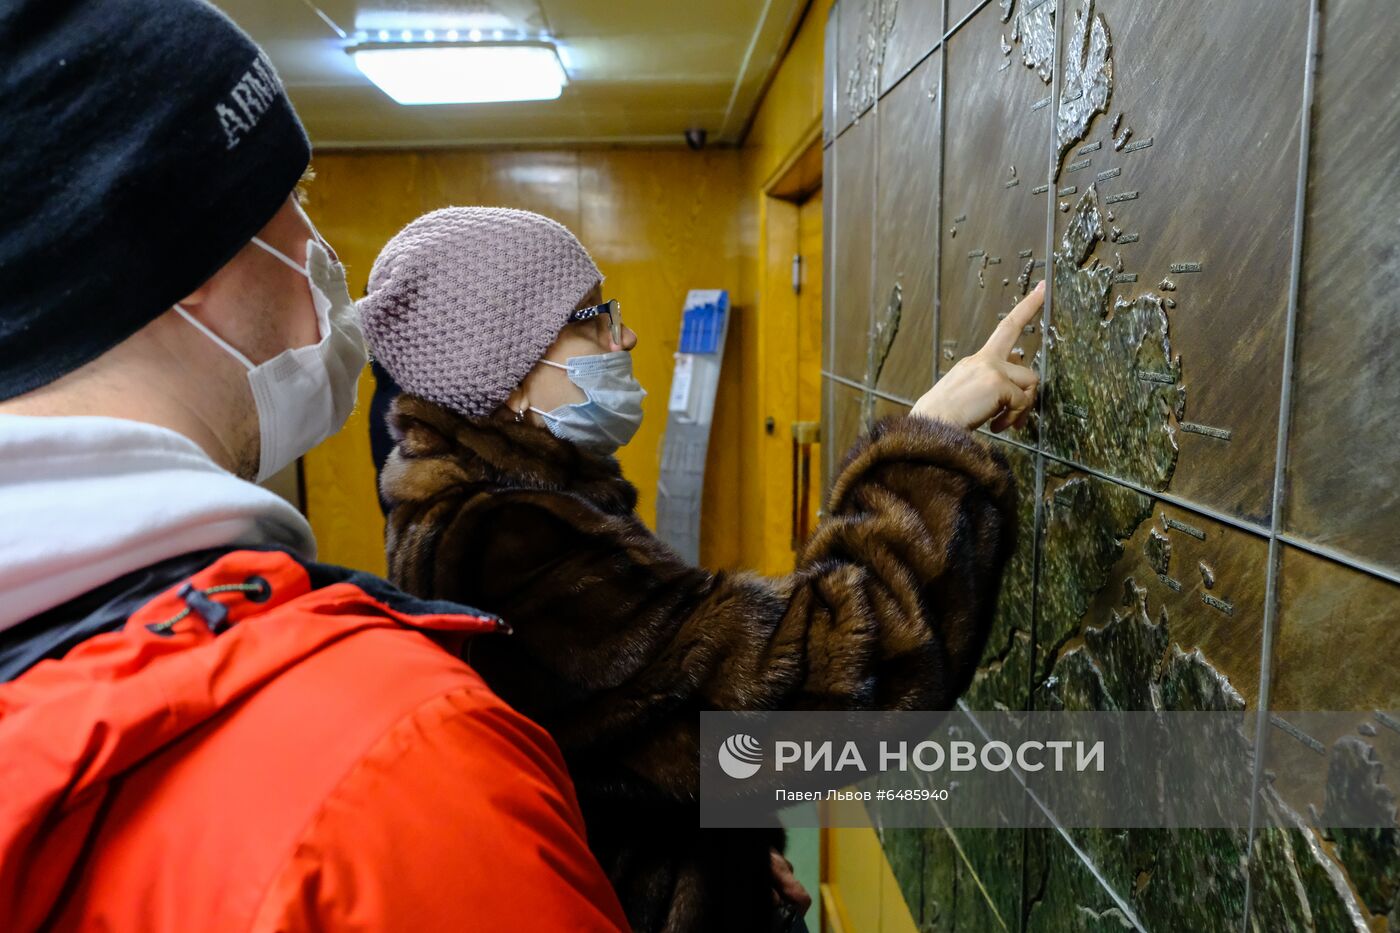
pixel 200 727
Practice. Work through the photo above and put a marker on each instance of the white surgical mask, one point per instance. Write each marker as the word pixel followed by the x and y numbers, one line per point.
pixel 305 394
pixel 613 412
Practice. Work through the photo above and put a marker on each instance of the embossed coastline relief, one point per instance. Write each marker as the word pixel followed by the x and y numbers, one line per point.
pixel 1153 151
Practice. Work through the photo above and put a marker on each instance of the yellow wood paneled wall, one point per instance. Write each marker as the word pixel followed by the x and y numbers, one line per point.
pixel 792 105
pixel 786 121
pixel 658 222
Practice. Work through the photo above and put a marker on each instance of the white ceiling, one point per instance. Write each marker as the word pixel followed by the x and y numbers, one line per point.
pixel 640 71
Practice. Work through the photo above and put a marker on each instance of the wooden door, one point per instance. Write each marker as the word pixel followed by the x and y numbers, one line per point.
pixel 791 353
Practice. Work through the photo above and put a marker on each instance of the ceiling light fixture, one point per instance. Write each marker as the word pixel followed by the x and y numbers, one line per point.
pixel 462 73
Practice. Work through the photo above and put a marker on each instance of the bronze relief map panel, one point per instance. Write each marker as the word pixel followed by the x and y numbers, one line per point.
pixel 995 185
pixel 853 213
pixel 915 29
pixel 860 43
pixel 1173 243
pixel 906 182
pixel 1343 444
pixel 1202 200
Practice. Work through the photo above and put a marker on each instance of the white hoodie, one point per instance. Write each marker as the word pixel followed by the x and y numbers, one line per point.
pixel 84 500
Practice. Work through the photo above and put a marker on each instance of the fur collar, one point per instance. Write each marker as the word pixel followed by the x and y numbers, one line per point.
pixel 438 448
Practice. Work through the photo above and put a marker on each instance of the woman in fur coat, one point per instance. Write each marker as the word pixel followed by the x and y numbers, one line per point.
pixel 503 493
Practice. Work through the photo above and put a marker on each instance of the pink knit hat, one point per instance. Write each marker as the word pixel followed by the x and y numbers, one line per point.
pixel 464 301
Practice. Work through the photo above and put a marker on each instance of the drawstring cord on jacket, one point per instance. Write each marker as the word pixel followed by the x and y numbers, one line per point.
pixel 214 614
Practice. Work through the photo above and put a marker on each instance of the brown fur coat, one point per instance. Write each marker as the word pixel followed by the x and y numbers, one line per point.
pixel 618 644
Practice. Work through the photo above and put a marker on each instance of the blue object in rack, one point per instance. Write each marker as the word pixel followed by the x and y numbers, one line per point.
pixel 689 418
pixel 703 322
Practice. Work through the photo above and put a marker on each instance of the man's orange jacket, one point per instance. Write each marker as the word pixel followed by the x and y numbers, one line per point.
pixel 292 753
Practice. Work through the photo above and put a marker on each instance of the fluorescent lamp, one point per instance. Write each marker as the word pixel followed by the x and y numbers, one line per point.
pixel 424 73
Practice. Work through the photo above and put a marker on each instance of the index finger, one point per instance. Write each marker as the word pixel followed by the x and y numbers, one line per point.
pixel 1009 330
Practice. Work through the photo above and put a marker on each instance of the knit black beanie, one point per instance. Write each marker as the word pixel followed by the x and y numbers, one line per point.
pixel 142 144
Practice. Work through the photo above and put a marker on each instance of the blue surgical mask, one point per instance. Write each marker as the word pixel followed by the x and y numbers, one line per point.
pixel 613 412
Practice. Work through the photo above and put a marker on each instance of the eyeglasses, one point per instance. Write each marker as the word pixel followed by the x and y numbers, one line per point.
pixel 614 312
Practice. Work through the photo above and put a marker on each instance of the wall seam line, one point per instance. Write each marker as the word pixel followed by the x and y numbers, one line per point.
pixel 861 387
pixel 1271 588
pixel 1197 508
pixel 1340 557
pixel 962 22
pixel 1052 173
pixel 937 257
pixel 1088 863
pixel 831 194
pixel 1038 519
pixel 872 298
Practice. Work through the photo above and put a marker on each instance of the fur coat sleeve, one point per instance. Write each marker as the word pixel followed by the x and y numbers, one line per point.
pixel 618 644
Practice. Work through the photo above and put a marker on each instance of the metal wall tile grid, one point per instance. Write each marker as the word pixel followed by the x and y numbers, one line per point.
pixel 1013 889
